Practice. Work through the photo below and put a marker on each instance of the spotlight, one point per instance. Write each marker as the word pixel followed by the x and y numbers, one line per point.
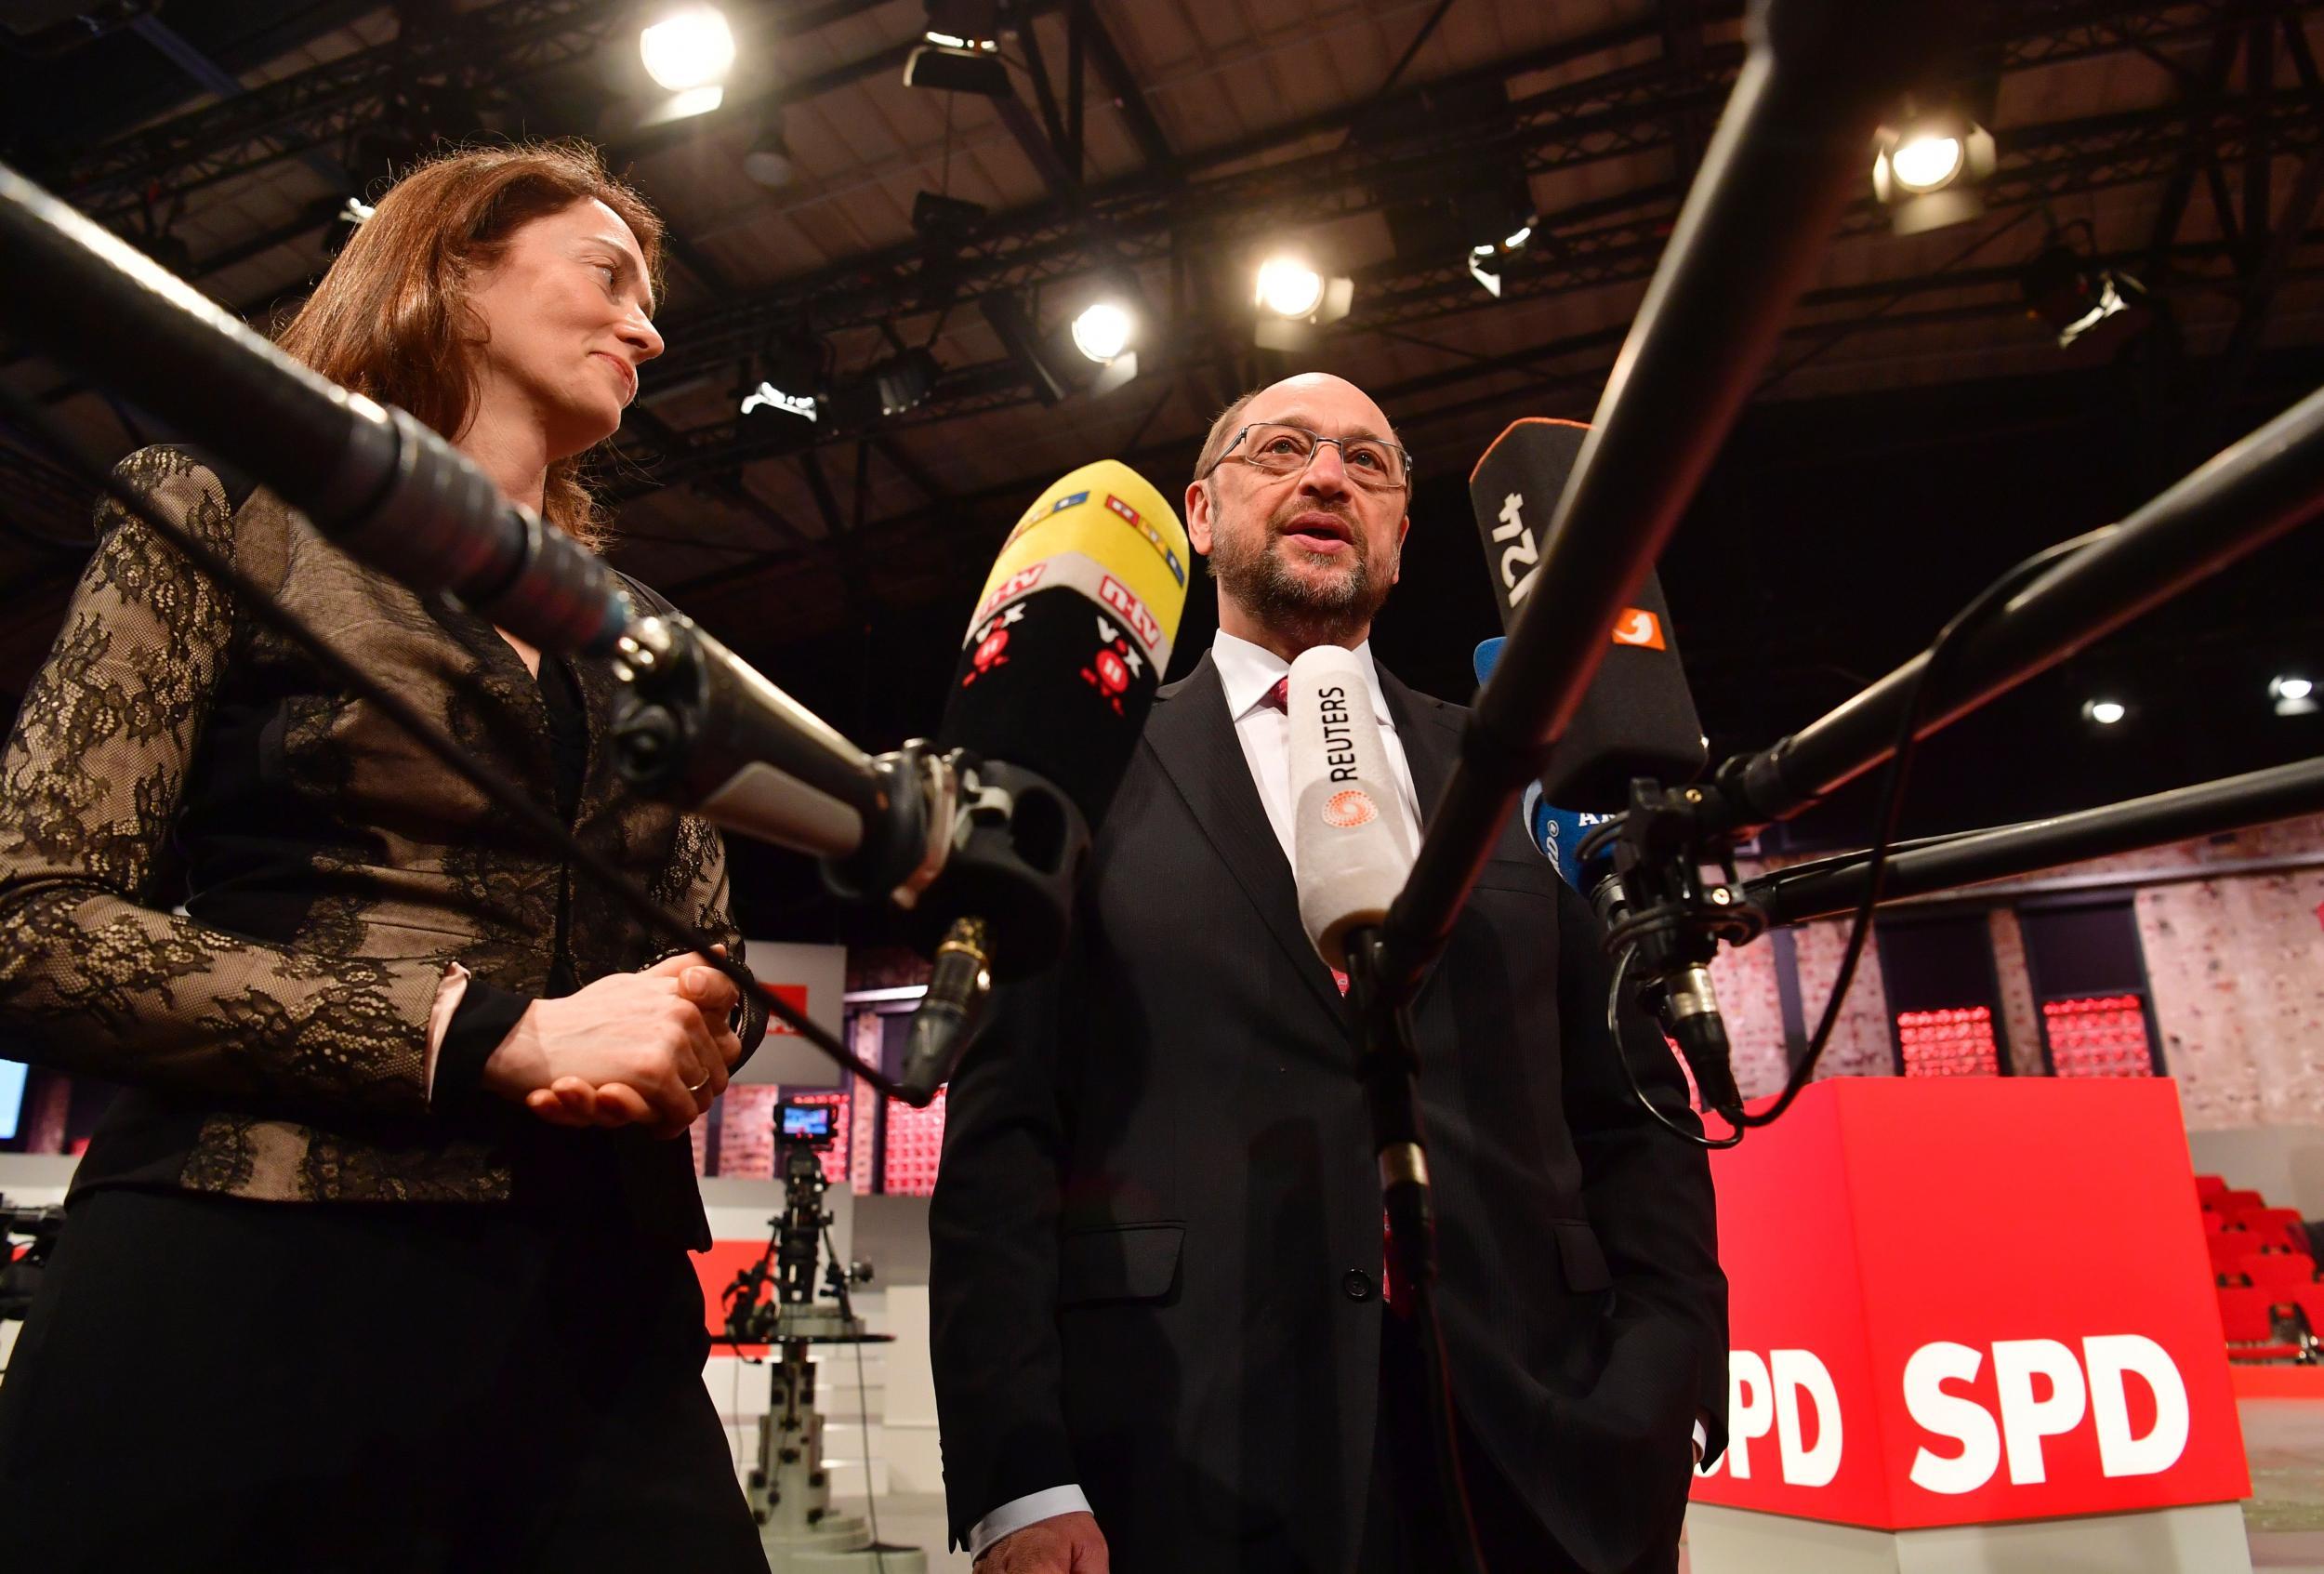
pixel 689 48
pixel 1925 170
pixel 1289 288
pixel 2104 712
pixel 768 160
pixel 1101 331
pixel 1925 162
pixel 1294 299
pixel 957 71
pixel 766 396
pixel 2082 302
pixel 2293 696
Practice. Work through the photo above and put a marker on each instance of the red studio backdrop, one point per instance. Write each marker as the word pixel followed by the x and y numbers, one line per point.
pixel 1963 1301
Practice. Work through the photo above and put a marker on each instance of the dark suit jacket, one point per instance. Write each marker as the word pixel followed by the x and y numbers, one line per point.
pixel 1157 1205
pixel 272 1036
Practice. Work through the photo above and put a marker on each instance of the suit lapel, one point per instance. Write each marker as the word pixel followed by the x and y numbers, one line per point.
pixel 1193 738
pixel 1431 739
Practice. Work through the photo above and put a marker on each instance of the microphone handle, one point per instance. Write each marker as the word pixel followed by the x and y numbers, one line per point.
pixel 949 1015
pixel 1690 1014
pixel 1389 1068
pixel 386 489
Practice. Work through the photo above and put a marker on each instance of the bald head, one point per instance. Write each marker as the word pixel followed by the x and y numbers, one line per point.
pixel 1306 391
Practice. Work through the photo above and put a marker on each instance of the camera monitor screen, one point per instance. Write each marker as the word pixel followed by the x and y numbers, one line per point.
pixel 11 1096
pixel 806 1120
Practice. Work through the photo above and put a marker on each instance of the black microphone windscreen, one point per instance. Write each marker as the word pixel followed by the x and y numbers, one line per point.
pixel 1637 718
pixel 1072 634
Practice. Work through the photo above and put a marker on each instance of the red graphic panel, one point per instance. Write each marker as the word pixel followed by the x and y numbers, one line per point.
pixel 1955 1042
pixel 1956 1301
pixel 915 1137
pixel 791 995
pixel 2104 1036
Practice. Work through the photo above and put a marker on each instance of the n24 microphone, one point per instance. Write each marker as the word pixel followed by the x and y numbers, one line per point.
pixel 1637 719
pixel 1057 671
pixel 1678 987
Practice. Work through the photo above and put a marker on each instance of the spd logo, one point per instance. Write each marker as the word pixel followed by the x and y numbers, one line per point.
pixel 1348 809
pixel 1639 627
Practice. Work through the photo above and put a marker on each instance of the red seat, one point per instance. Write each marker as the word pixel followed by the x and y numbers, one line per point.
pixel 2230 1248
pixel 2281 1273
pixel 2248 1319
pixel 2235 1202
pixel 2207 1188
pixel 2279 1226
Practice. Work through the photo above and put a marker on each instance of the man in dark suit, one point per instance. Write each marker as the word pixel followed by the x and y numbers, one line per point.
pixel 1159 1337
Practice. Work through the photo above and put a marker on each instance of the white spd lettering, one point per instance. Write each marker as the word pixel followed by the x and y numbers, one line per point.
pixel 2091 1386
pixel 1764 1395
pixel 2042 1388
pixel 1520 551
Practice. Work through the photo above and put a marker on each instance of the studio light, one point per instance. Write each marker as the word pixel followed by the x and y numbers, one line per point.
pixel 766 396
pixel 689 48
pixel 769 161
pixel 1294 299
pixel 961 52
pixel 1926 162
pixel 2293 696
pixel 1926 170
pixel 1101 331
pixel 1288 287
pixel 2104 712
pixel 2084 302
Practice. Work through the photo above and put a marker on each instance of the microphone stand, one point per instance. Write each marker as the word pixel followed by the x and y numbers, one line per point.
pixel 1388 1064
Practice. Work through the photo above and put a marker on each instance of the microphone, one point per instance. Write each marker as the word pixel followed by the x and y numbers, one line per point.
pixel 1679 991
pixel 1556 832
pixel 1058 667
pixel 1637 718
pixel 1350 854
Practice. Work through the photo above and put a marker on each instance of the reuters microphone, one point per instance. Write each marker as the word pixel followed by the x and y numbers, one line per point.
pixel 1058 669
pixel 1350 854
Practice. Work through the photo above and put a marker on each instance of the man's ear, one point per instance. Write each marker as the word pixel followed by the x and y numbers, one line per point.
pixel 1404 528
pixel 1198 517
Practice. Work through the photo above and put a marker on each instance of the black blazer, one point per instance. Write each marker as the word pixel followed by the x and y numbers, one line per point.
pixel 1157 1204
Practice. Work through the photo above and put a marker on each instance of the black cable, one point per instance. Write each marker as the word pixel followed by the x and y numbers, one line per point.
pixel 1946 642
pixel 544 826
pixel 1614 1028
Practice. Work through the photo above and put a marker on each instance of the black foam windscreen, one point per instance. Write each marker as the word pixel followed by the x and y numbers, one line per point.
pixel 1637 718
pixel 1072 634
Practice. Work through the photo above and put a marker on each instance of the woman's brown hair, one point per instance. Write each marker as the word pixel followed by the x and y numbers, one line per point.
pixel 390 317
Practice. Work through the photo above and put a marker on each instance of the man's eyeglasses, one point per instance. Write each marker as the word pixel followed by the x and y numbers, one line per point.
pixel 1276 449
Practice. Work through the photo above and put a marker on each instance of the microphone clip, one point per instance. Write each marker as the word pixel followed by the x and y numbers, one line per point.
pixel 1672 918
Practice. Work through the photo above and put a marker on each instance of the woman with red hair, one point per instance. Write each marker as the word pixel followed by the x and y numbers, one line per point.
pixel 379 1258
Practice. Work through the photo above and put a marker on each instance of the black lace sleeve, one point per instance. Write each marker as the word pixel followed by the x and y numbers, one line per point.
pixel 93 980
pixel 693 886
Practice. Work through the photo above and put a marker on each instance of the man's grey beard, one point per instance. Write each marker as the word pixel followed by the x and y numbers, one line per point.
pixel 1254 574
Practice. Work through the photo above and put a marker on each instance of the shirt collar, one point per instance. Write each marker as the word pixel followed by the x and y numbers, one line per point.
pixel 1247 671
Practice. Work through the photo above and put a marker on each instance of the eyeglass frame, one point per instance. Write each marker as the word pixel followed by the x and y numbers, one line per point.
pixel 1340 442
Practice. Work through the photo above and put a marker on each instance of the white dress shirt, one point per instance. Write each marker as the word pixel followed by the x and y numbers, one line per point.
pixel 1247 672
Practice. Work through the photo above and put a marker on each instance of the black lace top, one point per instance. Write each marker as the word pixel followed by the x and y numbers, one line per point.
pixel 272 1031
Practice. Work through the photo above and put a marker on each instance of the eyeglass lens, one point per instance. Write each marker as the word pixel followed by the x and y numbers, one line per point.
pixel 1282 449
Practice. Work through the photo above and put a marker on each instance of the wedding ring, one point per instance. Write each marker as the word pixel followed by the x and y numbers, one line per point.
pixel 697 1087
